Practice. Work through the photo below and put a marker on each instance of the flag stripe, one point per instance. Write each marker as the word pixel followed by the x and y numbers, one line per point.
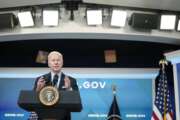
pixel 157 113
pixel 171 114
pixel 154 117
pixel 168 116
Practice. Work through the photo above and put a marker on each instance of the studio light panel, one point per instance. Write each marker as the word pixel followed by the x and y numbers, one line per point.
pixel 178 28
pixel 94 17
pixel 118 18
pixel 168 22
pixel 25 19
pixel 50 17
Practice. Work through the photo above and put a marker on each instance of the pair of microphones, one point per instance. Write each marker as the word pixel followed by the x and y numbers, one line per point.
pixel 49 82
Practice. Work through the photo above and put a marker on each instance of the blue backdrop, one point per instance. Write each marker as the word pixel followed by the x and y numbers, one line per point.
pixel 178 81
pixel 134 98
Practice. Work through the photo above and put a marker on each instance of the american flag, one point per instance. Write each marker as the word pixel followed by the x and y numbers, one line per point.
pixel 162 107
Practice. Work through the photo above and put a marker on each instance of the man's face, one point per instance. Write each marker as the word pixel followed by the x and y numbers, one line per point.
pixel 55 62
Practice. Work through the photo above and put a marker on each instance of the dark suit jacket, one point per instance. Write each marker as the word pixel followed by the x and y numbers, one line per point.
pixel 66 115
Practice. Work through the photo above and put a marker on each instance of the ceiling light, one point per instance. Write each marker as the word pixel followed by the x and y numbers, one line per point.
pixel 50 17
pixel 168 22
pixel 94 17
pixel 178 27
pixel 118 18
pixel 25 19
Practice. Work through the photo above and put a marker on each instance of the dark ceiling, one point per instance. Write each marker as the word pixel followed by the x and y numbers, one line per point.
pixel 84 53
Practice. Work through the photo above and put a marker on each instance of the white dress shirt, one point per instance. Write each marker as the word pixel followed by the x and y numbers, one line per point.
pixel 59 78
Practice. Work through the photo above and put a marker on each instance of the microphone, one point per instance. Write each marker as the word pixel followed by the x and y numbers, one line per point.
pixel 47 81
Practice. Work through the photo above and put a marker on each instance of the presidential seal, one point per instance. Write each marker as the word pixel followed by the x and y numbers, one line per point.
pixel 49 96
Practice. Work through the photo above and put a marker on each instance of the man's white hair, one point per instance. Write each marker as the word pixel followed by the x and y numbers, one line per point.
pixel 55 52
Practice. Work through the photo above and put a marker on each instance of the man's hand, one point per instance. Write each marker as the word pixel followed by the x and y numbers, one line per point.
pixel 67 83
pixel 40 84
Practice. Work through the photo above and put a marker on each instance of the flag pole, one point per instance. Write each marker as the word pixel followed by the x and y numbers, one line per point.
pixel 114 112
pixel 163 63
pixel 114 89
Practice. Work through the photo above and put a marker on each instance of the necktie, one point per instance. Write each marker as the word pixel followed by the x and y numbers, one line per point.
pixel 55 80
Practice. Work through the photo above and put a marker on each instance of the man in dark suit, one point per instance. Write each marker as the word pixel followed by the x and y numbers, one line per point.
pixel 57 79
